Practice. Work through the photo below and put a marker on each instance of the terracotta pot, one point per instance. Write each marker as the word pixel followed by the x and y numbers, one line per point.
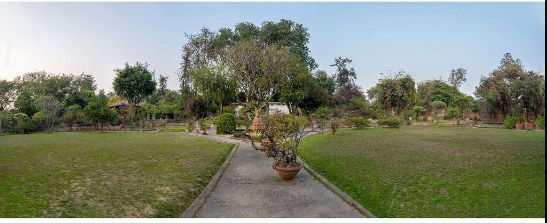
pixel 287 173
pixel 203 132
pixel 519 126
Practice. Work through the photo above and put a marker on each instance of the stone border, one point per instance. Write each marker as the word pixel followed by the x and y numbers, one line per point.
pixel 339 192
pixel 193 209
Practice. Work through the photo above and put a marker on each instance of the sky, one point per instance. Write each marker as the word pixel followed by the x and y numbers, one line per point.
pixel 426 40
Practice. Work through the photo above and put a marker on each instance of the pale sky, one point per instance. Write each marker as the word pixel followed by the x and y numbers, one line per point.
pixel 424 39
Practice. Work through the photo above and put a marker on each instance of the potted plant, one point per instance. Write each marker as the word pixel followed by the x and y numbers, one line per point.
pixel 203 126
pixel 279 136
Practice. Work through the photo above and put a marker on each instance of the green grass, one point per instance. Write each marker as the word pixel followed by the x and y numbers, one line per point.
pixel 122 174
pixel 174 128
pixel 435 172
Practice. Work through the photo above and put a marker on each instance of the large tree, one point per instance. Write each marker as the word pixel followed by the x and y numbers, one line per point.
pixel 343 74
pixel 394 93
pixel 510 89
pixel 7 93
pixel 216 84
pixel 457 77
pixel 134 82
pixel 259 70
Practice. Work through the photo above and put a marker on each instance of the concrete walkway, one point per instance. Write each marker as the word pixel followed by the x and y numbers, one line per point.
pixel 250 187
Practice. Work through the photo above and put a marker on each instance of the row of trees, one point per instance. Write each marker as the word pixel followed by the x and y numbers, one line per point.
pixel 253 65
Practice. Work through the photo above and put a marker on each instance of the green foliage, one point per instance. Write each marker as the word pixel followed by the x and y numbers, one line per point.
pixel 358 122
pixel 134 82
pixel 343 74
pixel 511 90
pixel 438 106
pixel 511 121
pixel 229 110
pixel 394 93
pixel 322 112
pixel 23 124
pixel 358 106
pixel 453 113
pixel 284 131
pixel 418 111
pixel 215 83
pixel 226 124
pixel 98 111
pixel 392 122
pixel 540 121
pixel 40 118
pixel 196 107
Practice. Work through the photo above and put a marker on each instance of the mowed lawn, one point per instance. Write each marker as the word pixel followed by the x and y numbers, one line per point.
pixel 435 172
pixel 122 174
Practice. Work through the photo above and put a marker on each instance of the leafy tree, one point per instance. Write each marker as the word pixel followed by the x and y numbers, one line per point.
pixel 98 111
pixel 453 113
pixel 134 82
pixel 299 90
pixel 436 90
pixel 510 89
pixel 394 93
pixel 72 114
pixel 7 93
pixel 325 81
pixel 457 77
pixel 418 111
pixel 259 70
pixel 196 107
pixel 343 74
pixel 163 84
pixel 25 103
pixel 215 83
pixel 347 92
pixel 21 119
pixel 50 110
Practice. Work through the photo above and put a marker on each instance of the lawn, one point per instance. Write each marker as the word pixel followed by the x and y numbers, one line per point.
pixel 122 174
pixel 435 172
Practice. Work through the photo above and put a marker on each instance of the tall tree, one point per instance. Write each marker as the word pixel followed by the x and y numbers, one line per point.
pixel 394 93
pixel 215 83
pixel 98 111
pixel 343 74
pixel 457 77
pixel 134 82
pixel 259 70
pixel 325 81
pixel 7 93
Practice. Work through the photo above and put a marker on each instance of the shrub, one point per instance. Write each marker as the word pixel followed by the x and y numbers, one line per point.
pixel 390 122
pixel 226 124
pixel 510 121
pixel 358 122
pixel 229 110
pixel 540 121
pixel 453 112
pixel 334 125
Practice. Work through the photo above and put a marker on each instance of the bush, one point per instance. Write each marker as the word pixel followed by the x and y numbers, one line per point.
pixel 358 122
pixel 510 121
pixel 226 124
pixel 390 122
pixel 540 121
pixel 229 110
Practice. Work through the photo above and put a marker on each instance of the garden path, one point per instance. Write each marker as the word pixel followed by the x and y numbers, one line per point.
pixel 249 187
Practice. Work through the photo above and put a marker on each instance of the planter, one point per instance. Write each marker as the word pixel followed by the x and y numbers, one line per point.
pixel 519 126
pixel 287 173
pixel 203 132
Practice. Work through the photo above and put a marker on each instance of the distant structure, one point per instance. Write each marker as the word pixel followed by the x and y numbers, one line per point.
pixel 273 106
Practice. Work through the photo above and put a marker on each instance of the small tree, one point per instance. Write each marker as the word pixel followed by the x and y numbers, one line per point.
pixel 50 109
pixel 457 77
pixel 98 111
pixel 454 114
pixel 21 119
pixel 418 111
pixel 134 82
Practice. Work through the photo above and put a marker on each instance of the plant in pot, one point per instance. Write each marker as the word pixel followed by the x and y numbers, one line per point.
pixel 203 126
pixel 279 137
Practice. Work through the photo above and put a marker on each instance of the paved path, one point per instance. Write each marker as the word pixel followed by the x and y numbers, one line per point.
pixel 251 188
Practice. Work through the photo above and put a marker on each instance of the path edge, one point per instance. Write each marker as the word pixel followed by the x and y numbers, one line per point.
pixel 345 197
pixel 193 209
